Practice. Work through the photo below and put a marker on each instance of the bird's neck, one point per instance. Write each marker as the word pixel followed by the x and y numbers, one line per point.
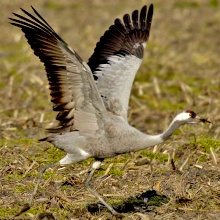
pixel 169 131
pixel 151 140
pixel 144 141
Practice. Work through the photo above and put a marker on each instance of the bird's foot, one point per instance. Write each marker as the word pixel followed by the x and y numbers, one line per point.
pixel 117 214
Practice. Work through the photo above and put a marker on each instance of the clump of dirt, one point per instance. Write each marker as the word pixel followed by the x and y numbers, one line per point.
pixel 144 202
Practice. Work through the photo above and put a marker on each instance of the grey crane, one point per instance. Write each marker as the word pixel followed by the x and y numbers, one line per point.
pixel 92 99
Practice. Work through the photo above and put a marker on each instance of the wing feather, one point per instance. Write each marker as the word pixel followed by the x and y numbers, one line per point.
pixel 74 93
pixel 135 19
pixel 118 56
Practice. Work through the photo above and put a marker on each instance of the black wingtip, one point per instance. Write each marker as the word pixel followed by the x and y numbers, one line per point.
pixel 151 9
pixel 127 22
pixel 23 10
pixel 123 37
pixel 135 19
pixel 35 11
pixel 150 17
pixel 144 8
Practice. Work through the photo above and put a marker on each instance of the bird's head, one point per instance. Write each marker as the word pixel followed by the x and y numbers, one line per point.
pixel 190 117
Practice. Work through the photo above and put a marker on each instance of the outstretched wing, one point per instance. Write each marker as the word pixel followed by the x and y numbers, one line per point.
pixel 73 90
pixel 118 56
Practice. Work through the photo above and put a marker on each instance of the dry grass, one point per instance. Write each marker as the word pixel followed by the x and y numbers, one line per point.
pixel 180 70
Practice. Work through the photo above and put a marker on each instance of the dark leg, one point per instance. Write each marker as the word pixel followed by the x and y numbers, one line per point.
pixel 96 165
pixel 42 170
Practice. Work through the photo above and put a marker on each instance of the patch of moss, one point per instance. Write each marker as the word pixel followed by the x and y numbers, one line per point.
pixel 64 187
pixel 53 5
pixel 186 4
pixel 35 210
pixel 20 141
pixel 54 154
pixel 51 155
pixel 58 213
pixel 116 171
pixel 206 143
pixel 14 177
pixel 158 156
pixel 20 188
pixel 5 212
pixel 87 162
pixel 120 158
pixel 47 175
pixel 213 3
pixel 202 159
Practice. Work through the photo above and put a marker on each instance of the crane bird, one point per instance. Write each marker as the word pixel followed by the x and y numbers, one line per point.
pixel 92 98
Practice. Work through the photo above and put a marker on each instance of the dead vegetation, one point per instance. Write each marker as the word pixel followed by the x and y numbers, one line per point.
pixel 180 70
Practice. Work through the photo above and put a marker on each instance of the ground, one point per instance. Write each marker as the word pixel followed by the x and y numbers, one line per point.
pixel 180 71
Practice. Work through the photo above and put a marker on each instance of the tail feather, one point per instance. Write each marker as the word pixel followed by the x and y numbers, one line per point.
pixel 48 139
pixel 43 139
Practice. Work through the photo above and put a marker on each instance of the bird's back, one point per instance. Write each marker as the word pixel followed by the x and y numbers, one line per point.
pixel 118 138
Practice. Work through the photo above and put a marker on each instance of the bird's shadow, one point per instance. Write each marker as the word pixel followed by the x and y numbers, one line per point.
pixel 144 202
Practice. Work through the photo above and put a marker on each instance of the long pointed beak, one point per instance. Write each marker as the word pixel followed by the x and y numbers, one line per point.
pixel 204 120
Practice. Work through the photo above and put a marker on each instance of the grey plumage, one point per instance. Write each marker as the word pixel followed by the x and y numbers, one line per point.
pixel 92 100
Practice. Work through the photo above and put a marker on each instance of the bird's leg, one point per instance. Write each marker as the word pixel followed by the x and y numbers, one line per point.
pixel 42 170
pixel 96 165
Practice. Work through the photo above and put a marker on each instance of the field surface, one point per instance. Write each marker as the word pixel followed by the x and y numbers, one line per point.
pixel 180 70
